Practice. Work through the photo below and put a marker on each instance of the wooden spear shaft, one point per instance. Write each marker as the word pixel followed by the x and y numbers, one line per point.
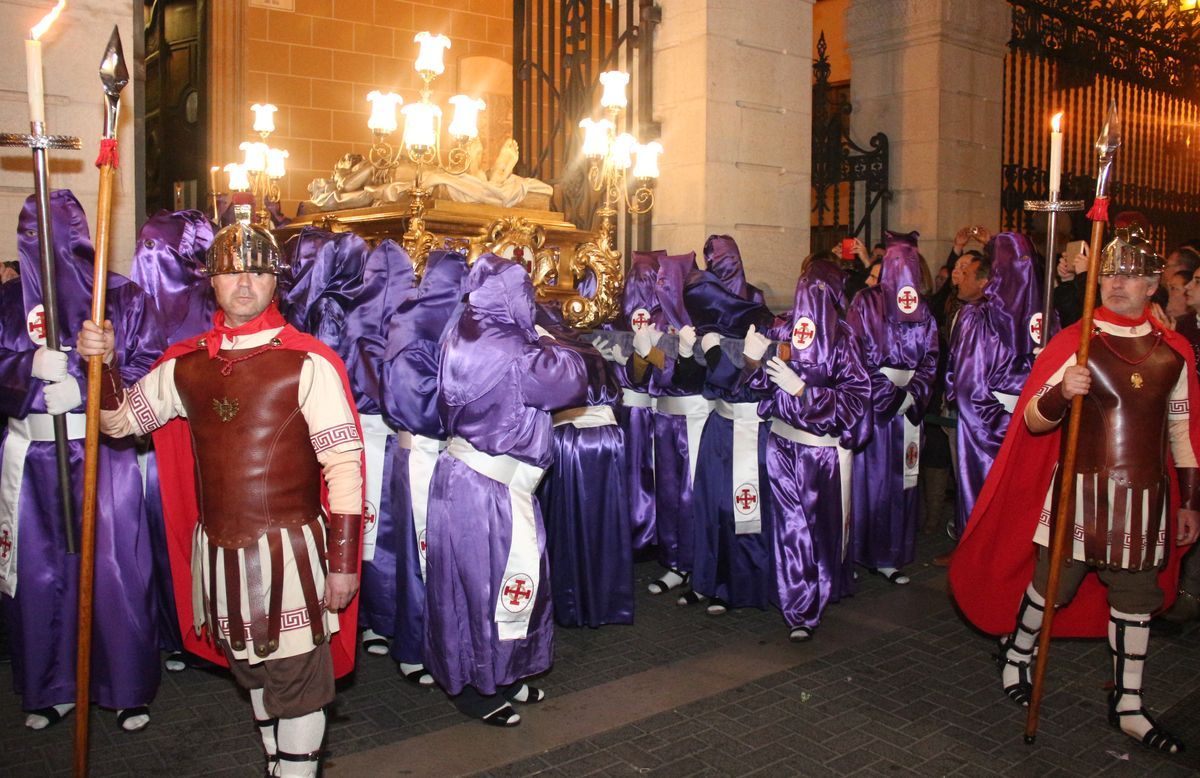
pixel 1063 519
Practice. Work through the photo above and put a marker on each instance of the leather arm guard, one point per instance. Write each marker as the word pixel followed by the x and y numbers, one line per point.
pixel 344 536
pixel 1052 405
pixel 1189 488
pixel 112 388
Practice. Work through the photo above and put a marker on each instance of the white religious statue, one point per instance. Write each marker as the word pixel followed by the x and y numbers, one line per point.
pixel 350 187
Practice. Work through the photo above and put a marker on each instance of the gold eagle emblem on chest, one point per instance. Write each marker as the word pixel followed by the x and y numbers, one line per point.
pixel 225 408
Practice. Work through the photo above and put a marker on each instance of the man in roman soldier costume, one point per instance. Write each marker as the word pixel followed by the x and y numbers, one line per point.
pixel 892 322
pixel 1136 490
pixel 260 454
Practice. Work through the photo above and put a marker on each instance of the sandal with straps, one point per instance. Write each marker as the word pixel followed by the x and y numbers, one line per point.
pixel 311 756
pixel 662 585
pixel 504 716
pixel 690 597
pixel 124 715
pixel 1020 692
pixel 1156 738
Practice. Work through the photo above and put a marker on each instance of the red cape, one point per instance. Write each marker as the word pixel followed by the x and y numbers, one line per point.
pixel 993 563
pixel 177 479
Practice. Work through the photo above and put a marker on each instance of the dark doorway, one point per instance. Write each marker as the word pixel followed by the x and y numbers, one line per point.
pixel 176 103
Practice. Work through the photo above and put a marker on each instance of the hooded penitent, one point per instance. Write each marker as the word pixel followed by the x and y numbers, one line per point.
pixel 169 265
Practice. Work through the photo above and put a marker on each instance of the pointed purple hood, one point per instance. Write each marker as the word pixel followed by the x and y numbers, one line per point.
pixel 169 265
pixel 673 272
pixel 815 322
pixel 900 279
pixel 640 282
pixel 1014 293
pixel 724 260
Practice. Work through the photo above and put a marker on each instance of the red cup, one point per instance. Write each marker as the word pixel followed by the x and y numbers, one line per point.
pixel 847 248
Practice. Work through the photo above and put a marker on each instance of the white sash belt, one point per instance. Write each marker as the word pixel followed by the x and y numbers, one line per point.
pixel 910 451
pixel 1009 401
pixel 586 417
pixel 747 497
pixel 632 398
pixel 422 459
pixel 34 428
pixel 518 586
pixel 695 409
pixel 845 459
pixel 375 435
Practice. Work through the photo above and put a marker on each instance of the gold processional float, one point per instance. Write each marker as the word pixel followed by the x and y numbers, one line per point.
pixel 426 200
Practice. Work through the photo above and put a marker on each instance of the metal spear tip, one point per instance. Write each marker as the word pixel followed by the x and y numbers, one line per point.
pixel 1110 134
pixel 113 73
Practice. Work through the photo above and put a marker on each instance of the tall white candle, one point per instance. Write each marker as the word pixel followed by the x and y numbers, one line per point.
pixel 33 64
pixel 1056 146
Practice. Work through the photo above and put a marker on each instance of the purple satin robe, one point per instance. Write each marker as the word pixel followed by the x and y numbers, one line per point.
pixel 408 396
pixel 991 351
pixel 498 384
pixel 885 514
pixel 41 618
pixel 168 264
pixel 810 568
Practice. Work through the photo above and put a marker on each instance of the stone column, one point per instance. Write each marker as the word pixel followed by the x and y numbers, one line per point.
pixel 930 74
pixel 71 52
pixel 733 90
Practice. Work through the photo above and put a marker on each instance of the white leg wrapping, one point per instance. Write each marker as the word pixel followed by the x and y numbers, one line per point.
pixel 301 736
pixel 1020 647
pixel 265 730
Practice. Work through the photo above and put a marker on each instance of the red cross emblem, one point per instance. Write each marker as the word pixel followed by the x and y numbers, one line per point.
pixel 422 546
pixel 5 544
pixel 517 593
pixel 803 333
pixel 36 324
pixel 640 319
pixel 911 454
pixel 1035 328
pixel 369 517
pixel 745 497
pixel 907 299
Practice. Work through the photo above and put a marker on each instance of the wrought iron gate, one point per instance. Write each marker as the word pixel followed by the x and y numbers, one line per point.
pixel 560 47
pixel 1074 57
pixel 847 179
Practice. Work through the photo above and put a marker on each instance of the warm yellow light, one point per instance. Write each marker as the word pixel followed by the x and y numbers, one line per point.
pixel 256 156
pixel 1188 5
pixel 383 111
pixel 429 58
pixel 614 82
pixel 595 137
pixel 420 129
pixel 622 150
pixel 646 155
pixel 275 164
pixel 264 117
pixel 465 123
pixel 41 27
pixel 1056 122
pixel 238 180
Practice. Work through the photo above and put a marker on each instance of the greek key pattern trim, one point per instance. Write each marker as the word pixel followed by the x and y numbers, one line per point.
pixel 288 620
pixel 142 410
pixel 328 438
pixel 1178 408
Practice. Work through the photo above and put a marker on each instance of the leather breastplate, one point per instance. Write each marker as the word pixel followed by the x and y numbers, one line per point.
pixel 255 465
pixel 1123 426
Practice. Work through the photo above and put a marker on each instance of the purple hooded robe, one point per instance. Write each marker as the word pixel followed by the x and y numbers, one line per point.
pixel 41 617
pixel 731 489
pixel 345 296
pixel 805 460
pixel 899 340
pixel 583 500
pixel 408 395
pixel 168 264
pixel 991 353
pixel 635 414
pixel 487 619
pixel 680 413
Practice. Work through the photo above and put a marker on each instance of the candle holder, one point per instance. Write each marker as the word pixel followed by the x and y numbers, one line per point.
pixel 1053 207
pixel 255 180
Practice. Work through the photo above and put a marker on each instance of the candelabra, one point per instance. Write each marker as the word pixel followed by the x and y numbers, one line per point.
pixel 615 158
pixel 255 180
pixel 421 144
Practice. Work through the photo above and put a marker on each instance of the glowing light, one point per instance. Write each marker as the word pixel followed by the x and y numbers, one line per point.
pixel 595 136
pixel 465 123
pixel 614 82
pixel 646 164
pixel 41 27
pixel 433 48
pixel 264 117
pixel 383 111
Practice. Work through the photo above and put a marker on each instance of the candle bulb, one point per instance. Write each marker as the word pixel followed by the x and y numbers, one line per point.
pixel 429 58
pixel 1056 147
pixel 614 82
pixel 264 118
pixel 383 111
pixel 33 65
pixel 238 180
pixel 465 123
pixel 420 128
pixel 595 137
pixel 646 159
pixel 275 164
pixel 622 151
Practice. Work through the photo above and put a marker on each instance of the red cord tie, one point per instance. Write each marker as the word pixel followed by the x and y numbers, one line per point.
pixel 108 153
pixel 1099 211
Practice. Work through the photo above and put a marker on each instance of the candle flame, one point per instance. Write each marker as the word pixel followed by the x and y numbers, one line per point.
pixel 39 29
pixel 1056 122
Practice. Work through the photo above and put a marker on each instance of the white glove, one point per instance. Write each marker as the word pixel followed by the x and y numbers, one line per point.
pixel 755 345
pixel 645 339
pixel 614 353
pixel 50 365
pixel 710 341
pixel 62 396
pixel 687 341
pixel 542 332
pixel 784 377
